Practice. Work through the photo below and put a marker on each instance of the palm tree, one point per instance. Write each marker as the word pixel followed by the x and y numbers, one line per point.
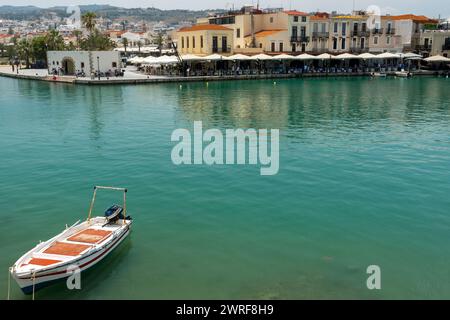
pixel 125 43
pixel 54 40
pixel 77 34
pixel 160 42
pixel 23 49
pixel 88 21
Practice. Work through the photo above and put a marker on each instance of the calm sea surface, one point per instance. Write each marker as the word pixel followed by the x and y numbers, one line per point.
pixel 364 179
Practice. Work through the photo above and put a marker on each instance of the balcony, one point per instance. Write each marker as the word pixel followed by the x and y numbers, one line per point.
pixel 362 33
pixel 446 47
pixel 358 50
pixel 300 39
pixel 377 31
pixel 319 50
pixel 316 35
pixel 390 31
pixel 221 50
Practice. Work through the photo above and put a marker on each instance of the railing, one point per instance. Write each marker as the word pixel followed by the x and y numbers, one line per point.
pixel 377 31
pixel 221 50
pixel 299 39
pixel 319 50
pixel 358 50
pixel 390 31
pixel 360 33
pixel 316 34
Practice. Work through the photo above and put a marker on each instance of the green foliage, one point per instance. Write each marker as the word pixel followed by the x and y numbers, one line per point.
pixel 97 41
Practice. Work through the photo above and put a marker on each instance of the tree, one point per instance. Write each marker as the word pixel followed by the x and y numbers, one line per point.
pixel 97 41
pixel 78 34
pixel 88 21
pixel 125 43
pixel 54 41
pixel 23 50
pixel 39 48
pixel 160 42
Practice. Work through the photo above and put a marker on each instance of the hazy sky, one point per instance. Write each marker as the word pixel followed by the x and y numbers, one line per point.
pixel 431 8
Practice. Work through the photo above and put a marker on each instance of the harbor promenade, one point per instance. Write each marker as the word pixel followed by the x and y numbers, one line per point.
pixel 132 76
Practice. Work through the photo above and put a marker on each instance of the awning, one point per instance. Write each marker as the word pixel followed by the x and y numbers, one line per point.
pixel 238 57
pixel 388 55
pixel 305 56
pixel 345 56
pixel 437 58
pixel 283 57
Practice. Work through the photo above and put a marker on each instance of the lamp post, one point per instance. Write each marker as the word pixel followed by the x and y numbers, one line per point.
pixel 98 67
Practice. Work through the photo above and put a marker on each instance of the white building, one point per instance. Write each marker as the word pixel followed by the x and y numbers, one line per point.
pixel 69 62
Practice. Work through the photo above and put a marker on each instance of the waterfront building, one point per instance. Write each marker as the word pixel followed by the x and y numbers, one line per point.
pixel 349 34
pixel 204 39
pixel 69 62
pixel 435 42
pixel 383 37
pixel 320 32
pixel 298 24
pixel 410 27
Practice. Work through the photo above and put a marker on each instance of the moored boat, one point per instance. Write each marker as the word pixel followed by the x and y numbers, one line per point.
pixel 80 246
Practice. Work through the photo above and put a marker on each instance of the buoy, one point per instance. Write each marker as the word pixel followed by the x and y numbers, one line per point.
pixel 274 83
pixel 207 84
pixel 181 86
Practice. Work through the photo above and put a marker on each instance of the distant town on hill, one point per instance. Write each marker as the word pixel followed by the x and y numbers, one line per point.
pixel 106 11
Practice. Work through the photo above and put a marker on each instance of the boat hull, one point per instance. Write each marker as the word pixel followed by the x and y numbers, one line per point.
pixel 45 278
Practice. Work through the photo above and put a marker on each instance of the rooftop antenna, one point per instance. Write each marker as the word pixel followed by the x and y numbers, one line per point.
pixel 354 6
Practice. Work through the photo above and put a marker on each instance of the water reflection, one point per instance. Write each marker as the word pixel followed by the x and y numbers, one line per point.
pixel 305 103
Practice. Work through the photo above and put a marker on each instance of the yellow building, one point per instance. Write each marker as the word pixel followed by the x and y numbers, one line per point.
pixel 204 39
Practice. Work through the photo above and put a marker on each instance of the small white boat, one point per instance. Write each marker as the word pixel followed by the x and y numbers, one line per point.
pixel 379 74
pixel 82 246
pixel 403 74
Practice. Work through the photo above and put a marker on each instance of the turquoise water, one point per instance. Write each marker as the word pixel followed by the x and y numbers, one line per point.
pixel 364 179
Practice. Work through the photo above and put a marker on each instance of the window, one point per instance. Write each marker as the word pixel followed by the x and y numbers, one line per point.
pixel 364 27
pixel 187 42
pixel 215 44
pixel 281 47
pixel 335 27
pixel 193 42
pixel 295 18
pixel 324 27
pixel 294 48
pixel 363 44
pixel 271 19
pixel 316 27
pixel 344 28
pixel 182 42
pixel 388 40
pixel 53 62
pixel 334 43
pixel 260 45
pixel 343 44
pixel 303 19
pixel 224 44
pixel 114 65
pixel 82 65
pixel 272 47
pixel 201 41
pixel 375 40
pixel 238 33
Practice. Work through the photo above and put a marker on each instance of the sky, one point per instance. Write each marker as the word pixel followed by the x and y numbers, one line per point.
pixel 432 8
